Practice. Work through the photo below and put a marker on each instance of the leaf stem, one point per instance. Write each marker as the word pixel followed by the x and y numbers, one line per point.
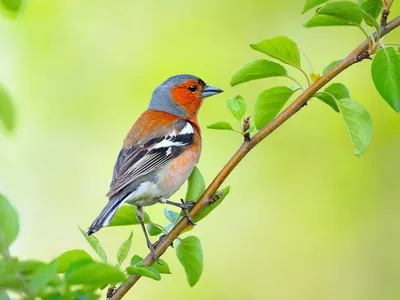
pixel 296 81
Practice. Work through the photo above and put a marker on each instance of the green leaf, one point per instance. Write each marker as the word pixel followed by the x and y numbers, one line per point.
pixel 93 273
pixel 8 275
pixel 171 215
pixel 258 69
pixel 369 20
pixel 269 103
pixel 163 268
pixel 337 13
pixel 338 91
pixel 136 259
pixel 237 107
pixel 96 245
pixel 28 267
pixel 43 277
pixel 7 111
pixel 9 225
pixel 358 124
pixel 221 126
pixel 190 255
pixel 65 260
pixel 372 7
pixel 347 10
pixel 311 4
pixel 281 48
pixel 12 5
pixel 386 76
pixel 124 250
pixel 126 215
pixel 205 211
pixel 143 270
pixel 330 66
pixel 324 20
pixel 196 185
pixel 153 230
pixel 251 129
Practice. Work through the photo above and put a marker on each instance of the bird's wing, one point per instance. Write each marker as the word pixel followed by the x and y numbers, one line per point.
pixel 151 154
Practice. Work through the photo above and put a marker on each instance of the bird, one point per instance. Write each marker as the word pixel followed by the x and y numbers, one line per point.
pixel 159 152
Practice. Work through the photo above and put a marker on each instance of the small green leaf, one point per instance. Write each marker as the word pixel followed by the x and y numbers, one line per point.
pixel 369 20
pixel 281 48
pixel 190 255
pixel 311 4
pixel 171 215
pixel 372 7
pixel 124 250
pixel 7 111
pixel 163 268
pixel 386 76
pixel 28 267
pixel 338 91
pixel 65 260
pixel 324 20
pixel 96 245
pixel 43 277
pixel 205 211
pixel 269 103
pixel 337 13
pixel 93 273
pixel 221 126
pixel 153 230
pixel 258 69
pixel 237 107
pixel 136 259
pixel 330 66
pixel 143 270
pixel 126 215
pixel 358 124
pixel 196 185
pixel 9 225
pixel 346 10
pixel 251 129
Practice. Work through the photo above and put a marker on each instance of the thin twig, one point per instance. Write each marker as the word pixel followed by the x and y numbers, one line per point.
pixel 352 58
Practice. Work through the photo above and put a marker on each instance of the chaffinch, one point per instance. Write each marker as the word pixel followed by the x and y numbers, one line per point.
pixel 159 152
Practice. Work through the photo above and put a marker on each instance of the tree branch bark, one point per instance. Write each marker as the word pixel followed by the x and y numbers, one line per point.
pixel 355 56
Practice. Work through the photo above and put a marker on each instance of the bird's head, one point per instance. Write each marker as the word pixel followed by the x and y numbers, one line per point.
pixel 181 95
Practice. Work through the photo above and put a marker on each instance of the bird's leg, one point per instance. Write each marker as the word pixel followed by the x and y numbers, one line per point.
pixel 140 216
pixel 184 206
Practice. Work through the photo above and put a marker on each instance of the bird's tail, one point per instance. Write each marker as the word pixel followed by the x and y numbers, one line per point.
pixel 106 215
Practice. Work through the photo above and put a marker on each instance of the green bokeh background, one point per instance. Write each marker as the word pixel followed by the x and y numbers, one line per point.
pixel 306 218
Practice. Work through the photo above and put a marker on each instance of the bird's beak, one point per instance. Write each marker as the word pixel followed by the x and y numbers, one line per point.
pixel 210 90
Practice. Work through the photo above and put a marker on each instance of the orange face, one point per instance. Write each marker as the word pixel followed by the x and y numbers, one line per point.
pixel 188 95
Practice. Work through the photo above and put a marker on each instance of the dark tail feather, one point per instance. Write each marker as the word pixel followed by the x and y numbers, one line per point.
pixel 106 215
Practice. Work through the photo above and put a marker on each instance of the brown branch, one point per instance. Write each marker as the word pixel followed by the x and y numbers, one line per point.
pixel 355 56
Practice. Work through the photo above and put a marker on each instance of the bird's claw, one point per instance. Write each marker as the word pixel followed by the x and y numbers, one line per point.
pixel 153 252
pixel 184 206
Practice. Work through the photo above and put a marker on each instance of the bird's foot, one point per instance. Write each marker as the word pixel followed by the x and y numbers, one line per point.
pixel 185 206
pixel 153 251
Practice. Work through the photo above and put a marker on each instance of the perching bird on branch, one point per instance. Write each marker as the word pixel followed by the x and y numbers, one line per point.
pixel 159 152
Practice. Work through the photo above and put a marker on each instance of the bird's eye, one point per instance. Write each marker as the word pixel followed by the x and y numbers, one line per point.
pixel 192 88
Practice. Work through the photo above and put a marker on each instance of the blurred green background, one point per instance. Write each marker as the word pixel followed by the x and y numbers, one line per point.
pixel 306 218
